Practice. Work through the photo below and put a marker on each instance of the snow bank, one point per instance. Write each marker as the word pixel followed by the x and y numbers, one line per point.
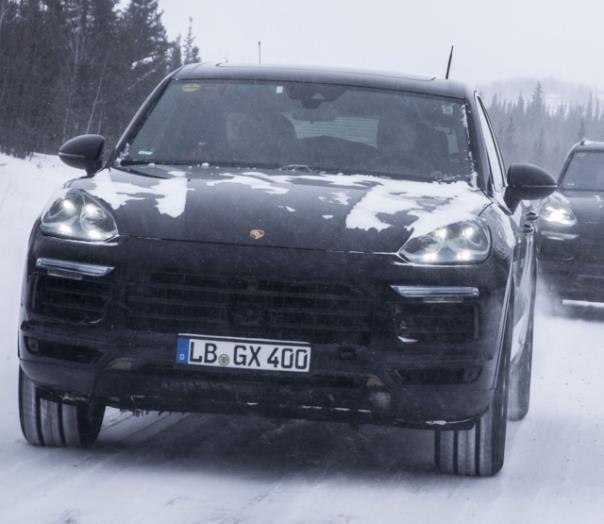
pixel 25 188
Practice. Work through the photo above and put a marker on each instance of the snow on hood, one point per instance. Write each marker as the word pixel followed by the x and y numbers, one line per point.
pixel 170 193
pixel 253 180
pixel 441 203
pixel 385 197
pixel 361 213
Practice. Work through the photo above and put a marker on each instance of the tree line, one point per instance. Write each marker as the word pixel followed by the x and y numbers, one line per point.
pixel 69 67
pixel 530 131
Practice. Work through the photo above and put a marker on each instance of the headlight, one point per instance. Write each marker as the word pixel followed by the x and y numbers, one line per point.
pixel 78 216
pixel 467 242
pixel 558 213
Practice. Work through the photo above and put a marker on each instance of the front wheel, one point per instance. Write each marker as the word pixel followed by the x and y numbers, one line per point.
pixel 53 423
pixel 479 451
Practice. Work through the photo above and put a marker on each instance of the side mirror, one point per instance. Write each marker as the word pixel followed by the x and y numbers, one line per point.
pixel 528 182
pixel 84 152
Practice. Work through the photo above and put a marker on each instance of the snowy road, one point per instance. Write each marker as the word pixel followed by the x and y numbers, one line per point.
pixel 216 469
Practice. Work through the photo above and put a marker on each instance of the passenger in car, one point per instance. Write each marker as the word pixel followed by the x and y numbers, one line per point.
pixel 285 146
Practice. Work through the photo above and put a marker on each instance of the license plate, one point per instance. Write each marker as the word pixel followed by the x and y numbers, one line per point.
pixel 243 353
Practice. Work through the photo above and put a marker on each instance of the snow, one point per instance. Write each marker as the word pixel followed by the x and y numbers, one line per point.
pixel 252 180
pixel 170 193
pixel 172 196
pixel 219 469
pixel 389 197
pixel 116 194
pixel 341 198
pixel 143 61
pixel 289 209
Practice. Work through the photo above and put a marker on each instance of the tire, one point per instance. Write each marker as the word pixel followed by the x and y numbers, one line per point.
pixel 53 423
pixel 479 451
pixel 520 381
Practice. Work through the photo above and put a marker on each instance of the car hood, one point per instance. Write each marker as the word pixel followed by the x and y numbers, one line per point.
pixel 588 206
pixel 275 208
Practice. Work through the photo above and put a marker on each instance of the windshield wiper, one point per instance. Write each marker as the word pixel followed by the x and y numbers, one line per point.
pixel 126 163
pixel 298 167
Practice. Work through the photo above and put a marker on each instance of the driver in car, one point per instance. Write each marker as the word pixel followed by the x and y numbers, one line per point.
pixel 246 135
pixel 399 141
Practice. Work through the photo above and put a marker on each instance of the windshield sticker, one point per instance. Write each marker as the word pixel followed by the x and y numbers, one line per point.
pixel 190 88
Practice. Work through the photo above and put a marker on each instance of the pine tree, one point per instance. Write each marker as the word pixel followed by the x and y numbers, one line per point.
pixel 536 107
pixel 532 133
pixel 509 137
pixel 145 49
pixel 103 73
pixel 74 66
pixel 589 109
pixel 176 54
pixel 30 84
pixel 520 108
pixel 191 51
pixel 539 150
pixel 582 130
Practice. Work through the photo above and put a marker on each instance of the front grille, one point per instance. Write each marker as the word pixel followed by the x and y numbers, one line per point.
pixel 443 376
pixel 557 249
pixel 77 301
pixel 592 252
pixel 285 310
pixel 438 323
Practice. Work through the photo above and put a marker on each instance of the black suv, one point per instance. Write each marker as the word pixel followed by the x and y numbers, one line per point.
pixel 571 232
pixel 330 245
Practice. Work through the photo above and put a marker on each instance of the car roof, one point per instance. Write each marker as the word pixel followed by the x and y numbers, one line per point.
pixel 588 145
pixel 357 78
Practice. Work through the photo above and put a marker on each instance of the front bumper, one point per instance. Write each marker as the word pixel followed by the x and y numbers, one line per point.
pixel 572 263
pixel 444 379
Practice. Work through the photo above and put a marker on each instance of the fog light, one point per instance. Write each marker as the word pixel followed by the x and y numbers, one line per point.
pixel 472 374
pixel 403 327
pixel 32 345
pixel 403 330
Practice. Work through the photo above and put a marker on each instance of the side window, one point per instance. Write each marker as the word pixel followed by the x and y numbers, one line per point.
pixel 495 161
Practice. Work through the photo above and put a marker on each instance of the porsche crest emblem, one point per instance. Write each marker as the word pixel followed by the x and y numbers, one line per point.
pixel 256 234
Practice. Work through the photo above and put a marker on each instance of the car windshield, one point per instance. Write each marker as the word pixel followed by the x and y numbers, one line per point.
pixel 305 126
pixel 585 172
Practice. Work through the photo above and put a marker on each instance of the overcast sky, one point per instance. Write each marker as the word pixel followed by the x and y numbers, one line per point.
pixel 494 39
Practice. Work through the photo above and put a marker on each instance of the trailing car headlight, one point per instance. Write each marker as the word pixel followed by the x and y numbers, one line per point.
pixel 558 213
pixel 467 242
pixel 78 216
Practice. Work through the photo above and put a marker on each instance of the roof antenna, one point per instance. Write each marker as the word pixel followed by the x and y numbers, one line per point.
pixel 259 52
pixel 450 62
